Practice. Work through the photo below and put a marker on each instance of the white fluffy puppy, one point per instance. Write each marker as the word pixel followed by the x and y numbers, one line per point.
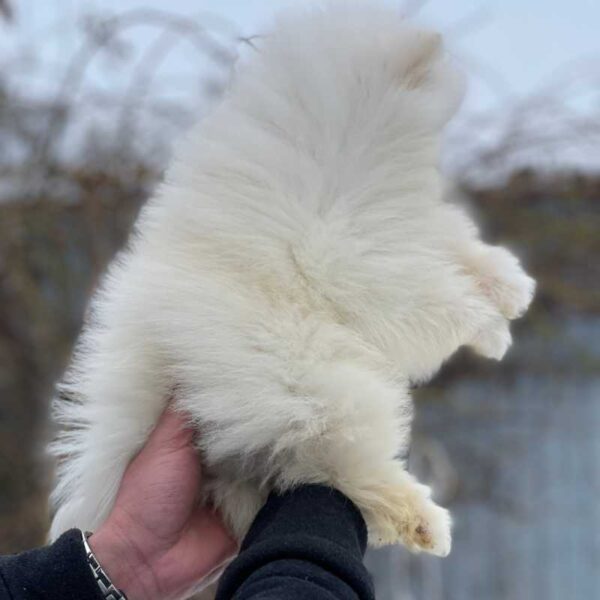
pixel 296 272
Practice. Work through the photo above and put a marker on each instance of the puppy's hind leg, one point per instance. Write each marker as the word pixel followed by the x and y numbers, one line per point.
pixel 366 426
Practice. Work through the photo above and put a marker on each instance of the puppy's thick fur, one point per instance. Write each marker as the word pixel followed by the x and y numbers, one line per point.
pixel 296 272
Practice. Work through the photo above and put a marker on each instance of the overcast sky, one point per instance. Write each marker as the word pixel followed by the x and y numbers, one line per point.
pixel 510 48
pixel 515 44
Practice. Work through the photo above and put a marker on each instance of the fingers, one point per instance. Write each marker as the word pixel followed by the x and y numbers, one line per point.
pixel 173 429
pixel 213 544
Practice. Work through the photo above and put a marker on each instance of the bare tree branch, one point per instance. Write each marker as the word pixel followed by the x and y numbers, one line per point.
pixel 6 11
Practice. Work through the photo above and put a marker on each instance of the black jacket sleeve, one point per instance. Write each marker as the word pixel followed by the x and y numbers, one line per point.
pixel 304 545
pixel 56 572
pixel 307 544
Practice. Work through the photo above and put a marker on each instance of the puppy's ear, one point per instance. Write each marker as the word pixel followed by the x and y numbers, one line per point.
pixel 423 71
pixel 426 50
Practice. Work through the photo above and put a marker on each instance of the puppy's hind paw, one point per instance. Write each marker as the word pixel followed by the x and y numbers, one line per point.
pixel 414 520
pixel 430 531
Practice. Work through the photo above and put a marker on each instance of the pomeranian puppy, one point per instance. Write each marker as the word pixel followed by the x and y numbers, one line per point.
pixel 294 275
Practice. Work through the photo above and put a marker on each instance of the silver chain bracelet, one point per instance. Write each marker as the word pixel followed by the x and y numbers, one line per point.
pixel 108 590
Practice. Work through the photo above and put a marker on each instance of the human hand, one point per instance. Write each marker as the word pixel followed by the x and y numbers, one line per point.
pixel 157 543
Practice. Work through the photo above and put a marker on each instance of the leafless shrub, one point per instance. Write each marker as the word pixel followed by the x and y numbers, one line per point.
pixel 6 11
pixel 555 129
pixel 62 218
pixel 107 35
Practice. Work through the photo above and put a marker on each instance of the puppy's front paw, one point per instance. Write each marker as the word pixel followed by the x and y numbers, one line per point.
pixel 502 279
pixel 494 340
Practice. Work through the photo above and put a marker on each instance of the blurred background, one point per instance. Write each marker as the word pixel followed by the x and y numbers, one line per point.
pixel 92 96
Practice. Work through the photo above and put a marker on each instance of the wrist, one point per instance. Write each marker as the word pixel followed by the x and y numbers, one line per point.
pixel 123 562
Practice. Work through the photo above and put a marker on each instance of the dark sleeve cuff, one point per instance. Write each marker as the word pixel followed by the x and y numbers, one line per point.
pixel 56 572
pixel 308 543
